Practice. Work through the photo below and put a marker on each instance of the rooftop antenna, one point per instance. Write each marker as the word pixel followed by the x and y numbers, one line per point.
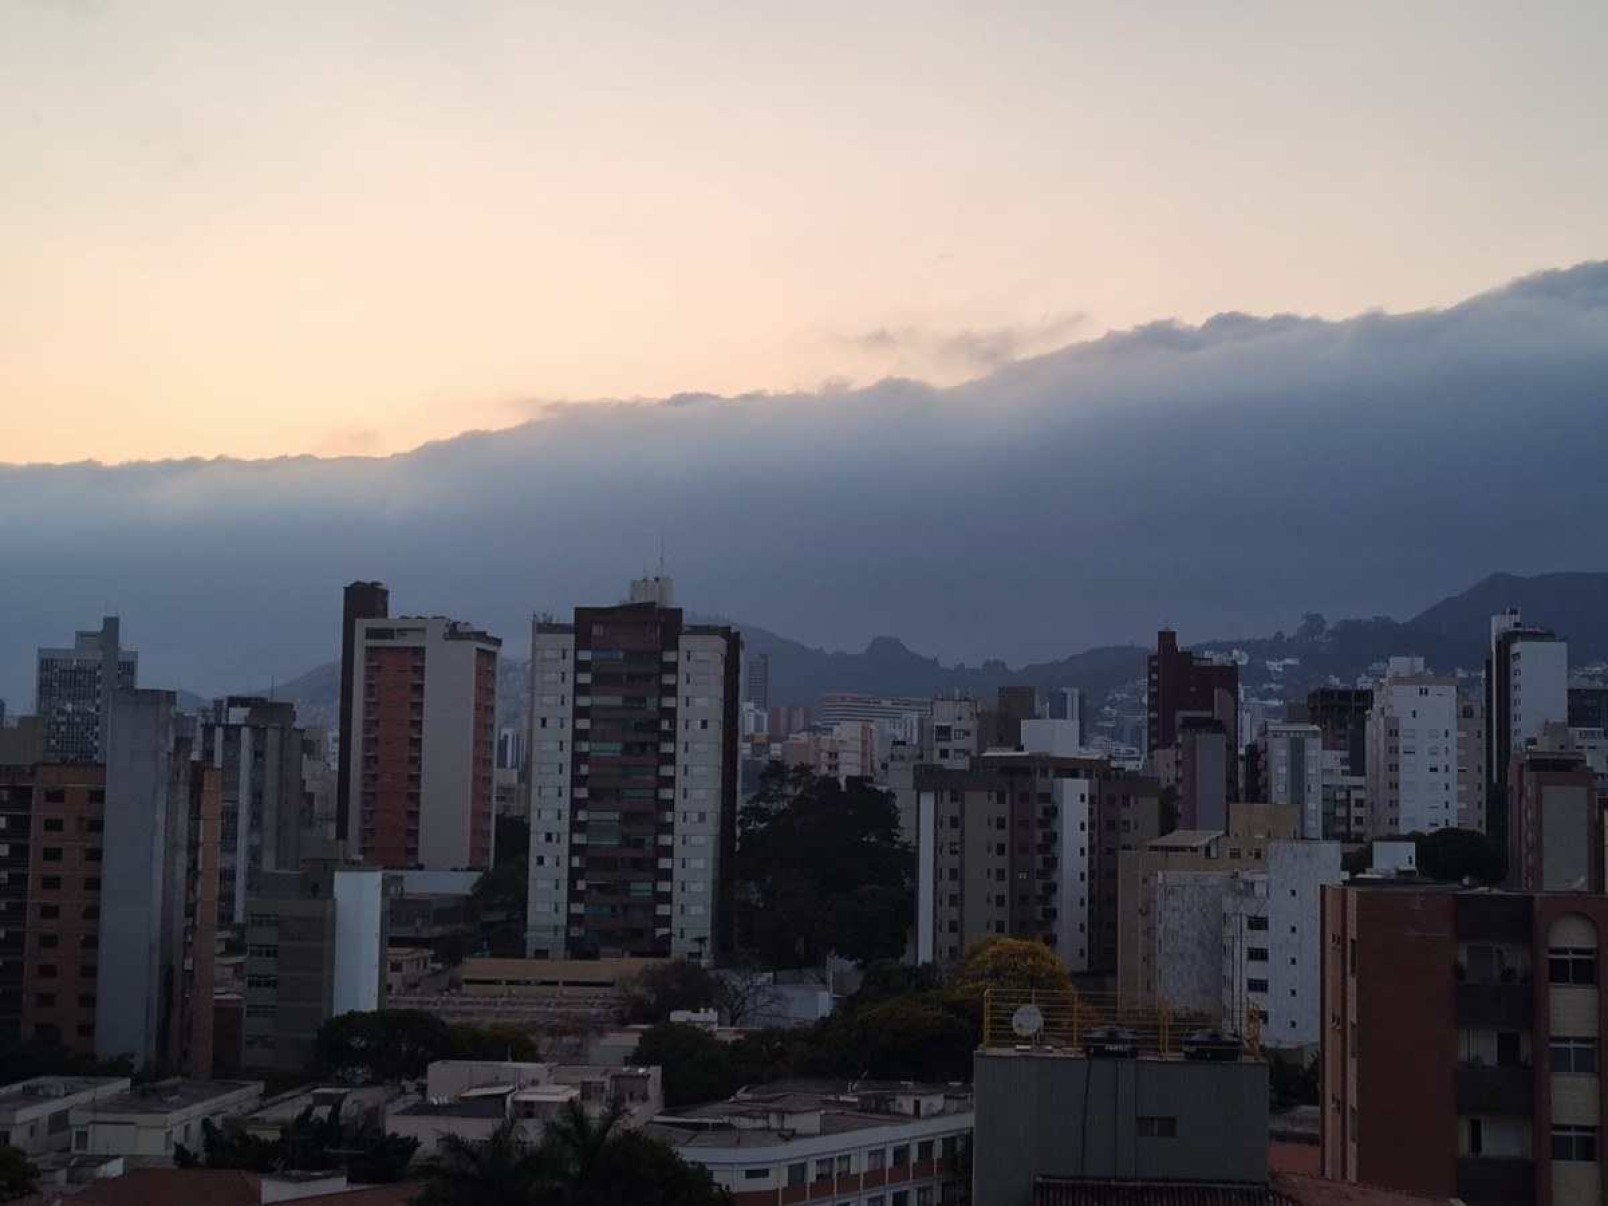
pixel 661 552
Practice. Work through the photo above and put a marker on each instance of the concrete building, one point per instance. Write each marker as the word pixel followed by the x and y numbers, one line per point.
pixel 22 742
pixel 1555 823
pixel 756 681
pixel 1346 817
pixel 36 1114
pixel 1462 1036
pixel 1151 936
pixel 951 737
pixel 159 885
pixel 1291 761
pixel 1341 714
pixel 1026 845
pixel 360 601
pixel 1412 751
pixel 861 1143
pixel 1526 688
pixel 1177 683
pixel 54 859
pixel 1471 776
pixel 1272 944
pixel 904 713
pixel 315 949
pixel 636 740
pixel 423 714
pixel 470 1099
pixel 74 690
pixel 152 1119
pixel 258 750
pixel 1106 1125
pixel 1588 707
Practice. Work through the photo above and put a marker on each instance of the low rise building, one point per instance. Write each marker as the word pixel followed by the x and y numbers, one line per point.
pixel 859 1142
pixel 152 1119
pixel 36 1114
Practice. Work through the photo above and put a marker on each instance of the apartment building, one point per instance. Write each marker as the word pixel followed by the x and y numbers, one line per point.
pixel 866 1143
pixel 57 828
pixel 951 736
pixel 1156 938
pixel 1412 751
pixel 1462 1039
pixel 1291 760
pixel 258 751
pixel 1555 822
pixel 159 889
pixel 36 1114
pixel 1341 714
pixel 74 688
pixel 1179 683
pixel 1346 815
pixel 1526 688
pixel 1471 773
pixel 151 1120
pixel 423 713
pixel 315 949
pixel 1026 845
pixel 635 745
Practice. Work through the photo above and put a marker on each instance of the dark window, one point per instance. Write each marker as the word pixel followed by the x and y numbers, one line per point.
pixel 50 881
pixel 1572 965
pixel 52 854
pixel 1160 1126
pixel 49 911
pixel 53 824
pixel 1256 923
pixel 1578 1143
pixel 1256 954
pixel 1577 1056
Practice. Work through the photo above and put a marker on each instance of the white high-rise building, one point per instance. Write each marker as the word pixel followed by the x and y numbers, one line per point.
pixel 1526 689
pixel 1412 751
pixel 635 739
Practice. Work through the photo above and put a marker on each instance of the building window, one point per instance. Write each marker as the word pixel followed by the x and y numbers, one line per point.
pixel 1256 923
pixel 1158 1126
pixel 823 1169
pixel 1256 954
pixel 1256 986
pixel 876 1160
pixel 755 1174
pixel 1572 965
pixel 1573 1056
pixel 901 1155
pixel 924 1151
pixel 1577 1143
pixel 796 1174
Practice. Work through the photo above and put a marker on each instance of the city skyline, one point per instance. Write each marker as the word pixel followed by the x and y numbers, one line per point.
pixel 354 229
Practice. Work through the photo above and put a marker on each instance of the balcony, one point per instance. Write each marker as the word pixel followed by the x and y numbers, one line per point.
pixel 1510 1180
pixel 1505 1089
pixel 1504 1006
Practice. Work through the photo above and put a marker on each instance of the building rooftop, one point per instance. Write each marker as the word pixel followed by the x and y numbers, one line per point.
pixel 484 1106
pixel 1185 839
pixel 815 1108
pixel 26 1095
pixel 165 1096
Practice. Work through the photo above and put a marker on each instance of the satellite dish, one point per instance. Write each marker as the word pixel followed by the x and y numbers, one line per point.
pixel 1028 1021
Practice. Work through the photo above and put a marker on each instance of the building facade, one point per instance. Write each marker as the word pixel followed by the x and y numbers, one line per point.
pixel 1177 683
pixel 1555 823
pixel 74 690
pixel 635 745
pixel 1526 688
pixel 1462 1039
pixel 258 751
pixel 1291 761
pixel 423 718
pixel 1412 751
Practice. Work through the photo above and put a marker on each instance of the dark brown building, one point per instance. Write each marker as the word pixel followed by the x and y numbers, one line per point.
pixel 1462 1041
pixel 1178 684
pixel 1342 714
pixel 360 601
pixel 1555 830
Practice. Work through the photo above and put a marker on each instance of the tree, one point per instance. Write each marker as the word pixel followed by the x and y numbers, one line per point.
pixel 18 1176
pixel 820 870
pixel 495 1042
pixel 385 1046
pixel 497 902
pixel 501 1171
pixel 695 1066
pixel 1293 1082
pixel 910 1038
pixel 597 1162
pixel 1011 963
pixel 1453 855
pixel 310 1142
pixel 656 992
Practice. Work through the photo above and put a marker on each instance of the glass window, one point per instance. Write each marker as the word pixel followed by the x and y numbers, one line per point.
pixel 1572 965
pixel 796 1174
pixel 1574 1056
pixel 901 1155
pixel 924 1151
pixel 1574 1143
pixel 876 1160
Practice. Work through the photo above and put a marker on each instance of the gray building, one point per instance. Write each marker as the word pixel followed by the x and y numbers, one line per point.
pixel 1047 1115
pixel 315 948
pixel 74 689
pixel 158 888
pixel 257 746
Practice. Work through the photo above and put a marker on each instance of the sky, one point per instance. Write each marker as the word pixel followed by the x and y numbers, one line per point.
pixel 259 230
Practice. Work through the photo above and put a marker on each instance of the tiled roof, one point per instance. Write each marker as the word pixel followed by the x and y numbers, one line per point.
pixel 1314 1191
pixel 162 1187
pixel 1051 1192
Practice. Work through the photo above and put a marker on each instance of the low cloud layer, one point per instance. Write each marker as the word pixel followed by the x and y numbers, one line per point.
pixel 1221 478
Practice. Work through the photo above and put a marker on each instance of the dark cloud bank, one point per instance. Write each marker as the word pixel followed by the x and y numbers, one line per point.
pixel 1221 478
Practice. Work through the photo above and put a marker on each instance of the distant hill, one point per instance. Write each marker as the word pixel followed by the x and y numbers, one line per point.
pixel 1450 636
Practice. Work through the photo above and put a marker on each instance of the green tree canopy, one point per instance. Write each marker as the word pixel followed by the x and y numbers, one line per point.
pixel 657 991
pixel 18 1176
pixel 820 870
pixel 1452 855
pixel 383 1046
pixel 696 1067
